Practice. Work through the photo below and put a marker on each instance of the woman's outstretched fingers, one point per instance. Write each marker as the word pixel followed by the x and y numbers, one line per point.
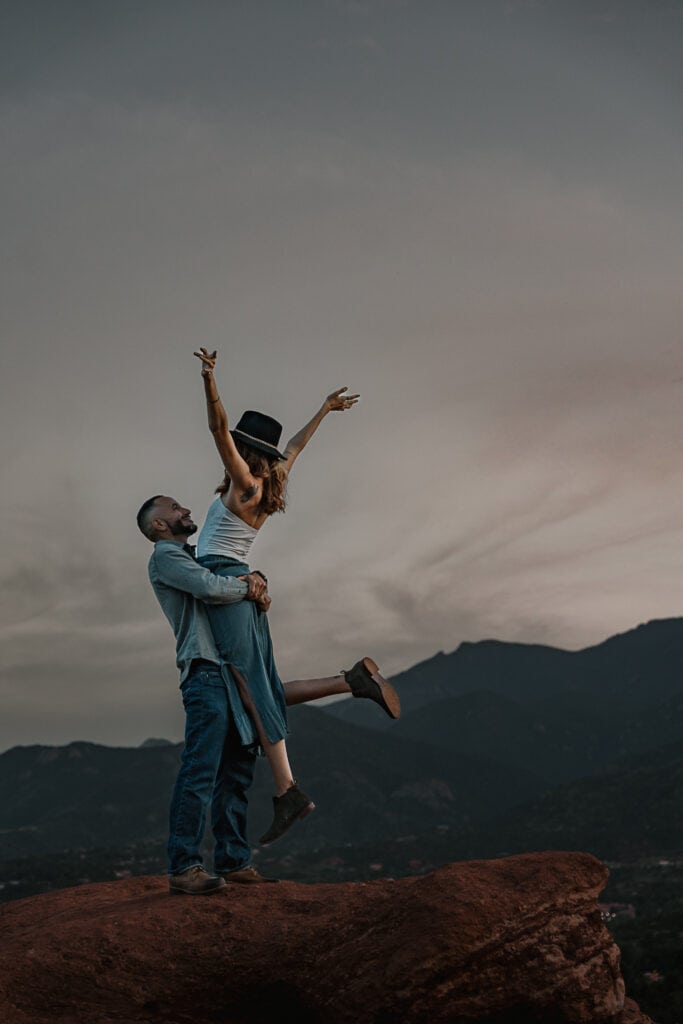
pixel 208 359
pixel 338 401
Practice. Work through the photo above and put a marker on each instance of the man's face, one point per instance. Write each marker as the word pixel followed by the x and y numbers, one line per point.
pixel 176 517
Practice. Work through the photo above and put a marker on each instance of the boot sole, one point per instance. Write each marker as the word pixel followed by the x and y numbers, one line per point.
pixel 197 892
pixel 392 704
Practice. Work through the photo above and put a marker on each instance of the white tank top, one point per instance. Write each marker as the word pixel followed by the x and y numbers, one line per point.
pixel 224 533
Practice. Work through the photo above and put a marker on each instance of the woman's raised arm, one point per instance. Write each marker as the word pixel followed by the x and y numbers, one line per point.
pixel 337 401
pixel 236 467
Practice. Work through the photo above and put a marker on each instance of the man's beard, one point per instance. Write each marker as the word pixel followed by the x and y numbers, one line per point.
pixel 180 529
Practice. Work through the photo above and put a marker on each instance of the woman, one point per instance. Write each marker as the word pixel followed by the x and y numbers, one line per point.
pixel 252 490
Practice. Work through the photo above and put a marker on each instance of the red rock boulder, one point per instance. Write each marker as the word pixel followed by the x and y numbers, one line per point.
pixel 517 940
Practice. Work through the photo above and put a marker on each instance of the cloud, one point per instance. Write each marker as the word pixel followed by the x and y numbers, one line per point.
pixel 475 223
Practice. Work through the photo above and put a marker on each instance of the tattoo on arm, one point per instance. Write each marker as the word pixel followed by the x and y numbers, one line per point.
pixel 249 493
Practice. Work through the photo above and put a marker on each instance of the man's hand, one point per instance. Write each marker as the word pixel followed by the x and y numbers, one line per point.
pixel 338 401
pixel 258 588
pixel 264 603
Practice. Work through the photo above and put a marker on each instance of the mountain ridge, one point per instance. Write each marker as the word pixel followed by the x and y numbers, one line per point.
pixel 458 768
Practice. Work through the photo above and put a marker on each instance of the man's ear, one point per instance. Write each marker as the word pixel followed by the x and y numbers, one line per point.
pixel 158 526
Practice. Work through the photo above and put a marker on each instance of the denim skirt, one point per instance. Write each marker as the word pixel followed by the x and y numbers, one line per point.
pixel 242 636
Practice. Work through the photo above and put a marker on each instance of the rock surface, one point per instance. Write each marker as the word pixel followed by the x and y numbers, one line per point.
pixel 518 940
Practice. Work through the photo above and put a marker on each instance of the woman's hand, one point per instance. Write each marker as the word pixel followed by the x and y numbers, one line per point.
pixel 208 360
pixel 338 401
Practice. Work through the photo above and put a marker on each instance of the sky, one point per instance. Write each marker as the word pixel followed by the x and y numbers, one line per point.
pixel 468 212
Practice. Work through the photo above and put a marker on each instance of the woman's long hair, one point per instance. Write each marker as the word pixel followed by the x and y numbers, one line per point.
pixel 273 497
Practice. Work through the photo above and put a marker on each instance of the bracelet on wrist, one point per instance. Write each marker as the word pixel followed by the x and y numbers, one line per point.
pixel 212 401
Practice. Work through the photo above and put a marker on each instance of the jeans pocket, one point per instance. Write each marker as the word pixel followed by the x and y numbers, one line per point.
pixel 189 691
pixel 202 685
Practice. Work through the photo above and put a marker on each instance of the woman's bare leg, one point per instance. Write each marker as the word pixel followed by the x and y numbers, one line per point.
pixel 276 753
pixel 362 680
pixel 300 691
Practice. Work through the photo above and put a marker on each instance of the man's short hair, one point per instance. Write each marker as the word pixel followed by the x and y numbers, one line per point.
pixel 144 516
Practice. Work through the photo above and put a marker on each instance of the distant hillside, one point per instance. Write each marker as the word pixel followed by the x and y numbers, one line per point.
pixel 557 745
pixel 500 748
pixel 631 813
pixel 85 795
pixel 626 673
pixel 558 714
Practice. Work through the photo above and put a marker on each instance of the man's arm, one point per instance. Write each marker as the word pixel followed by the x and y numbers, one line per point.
pixel 176 568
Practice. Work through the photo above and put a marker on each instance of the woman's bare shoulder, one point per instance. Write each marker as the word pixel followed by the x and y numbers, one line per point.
pixel 247 511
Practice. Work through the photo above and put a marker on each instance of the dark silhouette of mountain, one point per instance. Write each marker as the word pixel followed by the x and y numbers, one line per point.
pixel 632 811
pixel 648 728
pixel 365 786
pixel 82 795
pixel 559 714
pixel 520 672
pixel 626 673
pixel 523 747
pixel 558 745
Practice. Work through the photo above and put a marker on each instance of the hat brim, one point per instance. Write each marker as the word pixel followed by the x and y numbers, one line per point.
pixel 260 446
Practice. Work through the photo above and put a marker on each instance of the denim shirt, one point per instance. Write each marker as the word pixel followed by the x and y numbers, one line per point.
pixel 183 587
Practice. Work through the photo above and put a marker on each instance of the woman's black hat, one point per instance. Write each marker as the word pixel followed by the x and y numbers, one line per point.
pixel 260 432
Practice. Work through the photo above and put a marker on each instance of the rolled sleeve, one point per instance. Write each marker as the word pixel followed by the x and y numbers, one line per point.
pixel 175 568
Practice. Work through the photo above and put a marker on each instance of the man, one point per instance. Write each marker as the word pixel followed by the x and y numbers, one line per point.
pixel 216 769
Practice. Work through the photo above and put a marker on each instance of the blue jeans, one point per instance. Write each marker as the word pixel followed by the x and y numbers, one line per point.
pixel 215 770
